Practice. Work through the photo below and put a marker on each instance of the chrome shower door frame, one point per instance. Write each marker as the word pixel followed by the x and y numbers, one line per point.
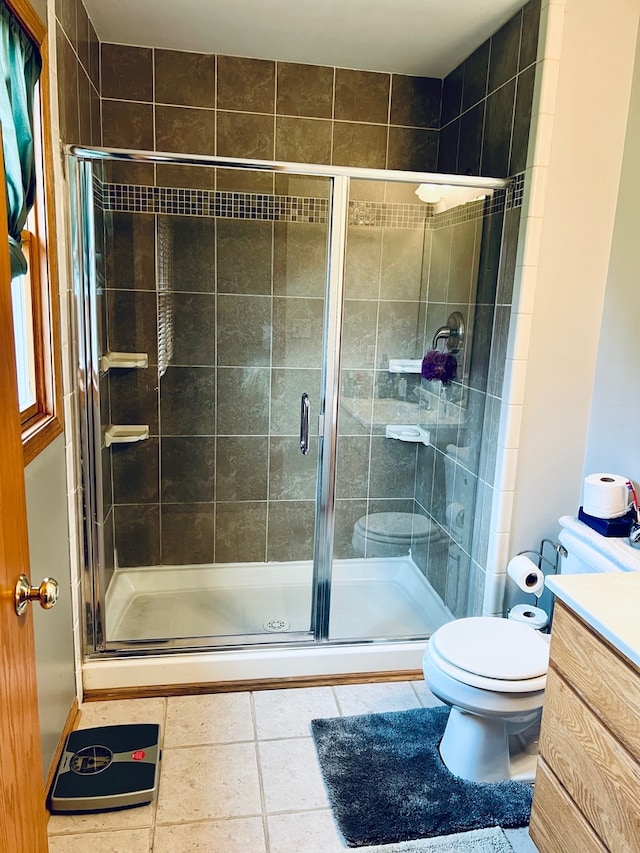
pixel 328 420
pixel 88 408
pixel 80 161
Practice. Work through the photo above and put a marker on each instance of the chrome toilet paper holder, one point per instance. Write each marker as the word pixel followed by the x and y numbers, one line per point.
pixel 558 550
pixel 553 564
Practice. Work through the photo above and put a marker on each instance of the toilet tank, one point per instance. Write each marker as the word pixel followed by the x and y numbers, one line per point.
pixel 588 551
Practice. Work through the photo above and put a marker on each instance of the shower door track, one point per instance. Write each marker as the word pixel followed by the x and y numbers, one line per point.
pixel 134 649
pixel 355 172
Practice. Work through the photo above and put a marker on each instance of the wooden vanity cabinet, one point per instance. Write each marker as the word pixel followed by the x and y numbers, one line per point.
pixel 587 791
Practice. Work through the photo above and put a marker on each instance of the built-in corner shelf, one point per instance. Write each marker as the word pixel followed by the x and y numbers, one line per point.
pixel 125 434
pixel 408 432
pixel 123 359
pixel 405 365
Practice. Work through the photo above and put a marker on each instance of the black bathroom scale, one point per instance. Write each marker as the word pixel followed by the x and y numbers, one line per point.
pixel 109 767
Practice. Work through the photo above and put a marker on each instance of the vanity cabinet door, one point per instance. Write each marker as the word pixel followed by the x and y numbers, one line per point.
pixel 597 772
pixel 555 818
pixel 606 682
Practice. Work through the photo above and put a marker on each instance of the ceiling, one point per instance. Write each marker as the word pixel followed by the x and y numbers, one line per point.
pixel 423 37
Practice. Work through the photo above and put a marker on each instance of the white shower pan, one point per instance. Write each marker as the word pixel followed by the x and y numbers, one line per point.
pixel 377 606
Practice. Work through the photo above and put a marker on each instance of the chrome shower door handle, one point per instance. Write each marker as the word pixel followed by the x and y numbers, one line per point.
pixel 305 414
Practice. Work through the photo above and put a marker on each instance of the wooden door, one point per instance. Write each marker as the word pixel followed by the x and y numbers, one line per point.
pixel 23 823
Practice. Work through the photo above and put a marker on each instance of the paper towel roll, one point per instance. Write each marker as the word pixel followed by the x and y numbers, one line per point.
pixel 605 495
pixel 526 574
pixel 533 616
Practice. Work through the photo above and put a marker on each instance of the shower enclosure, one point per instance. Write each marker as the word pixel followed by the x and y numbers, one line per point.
pixel 262 462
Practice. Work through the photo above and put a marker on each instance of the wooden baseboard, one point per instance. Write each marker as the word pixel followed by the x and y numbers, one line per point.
pixel 72 721
pixel 251 685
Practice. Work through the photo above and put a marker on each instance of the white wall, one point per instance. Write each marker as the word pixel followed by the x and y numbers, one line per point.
pixel 69 381
pixel 613 442
pixel 575 198
pixel 46 487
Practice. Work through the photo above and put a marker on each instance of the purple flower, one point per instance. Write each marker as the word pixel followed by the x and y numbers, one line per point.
pixel 440 366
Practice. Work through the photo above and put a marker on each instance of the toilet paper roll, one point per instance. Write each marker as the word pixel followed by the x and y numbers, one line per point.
pixel 526 574
pixel 533 616
pixel 605 495
pixel 455 514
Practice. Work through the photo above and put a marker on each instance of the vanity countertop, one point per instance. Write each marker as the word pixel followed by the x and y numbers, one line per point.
pixel 610 603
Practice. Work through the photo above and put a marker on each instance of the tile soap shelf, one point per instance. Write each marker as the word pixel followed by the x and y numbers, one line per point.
pixel 405 365
pixel 408 432
pixel 123 359
pixel 125 433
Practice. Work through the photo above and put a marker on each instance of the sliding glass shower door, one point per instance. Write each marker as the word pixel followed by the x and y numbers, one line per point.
pixel 418 256
pixel 206 292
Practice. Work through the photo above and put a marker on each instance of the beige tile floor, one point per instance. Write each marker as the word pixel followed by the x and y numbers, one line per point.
pixel 239 773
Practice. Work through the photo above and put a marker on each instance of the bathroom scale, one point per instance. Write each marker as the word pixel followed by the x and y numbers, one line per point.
pixel 108 767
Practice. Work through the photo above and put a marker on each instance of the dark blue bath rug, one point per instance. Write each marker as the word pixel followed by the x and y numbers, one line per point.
pixel 387 783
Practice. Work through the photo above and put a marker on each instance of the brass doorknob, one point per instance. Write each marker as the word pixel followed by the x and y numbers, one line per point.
pixel 46 593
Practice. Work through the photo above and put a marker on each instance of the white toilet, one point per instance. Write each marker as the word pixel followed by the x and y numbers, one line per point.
pixel 392 534
pixel 492 672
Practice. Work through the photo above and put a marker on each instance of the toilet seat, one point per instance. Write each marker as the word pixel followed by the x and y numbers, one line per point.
pixel 492 654
pixel 495 685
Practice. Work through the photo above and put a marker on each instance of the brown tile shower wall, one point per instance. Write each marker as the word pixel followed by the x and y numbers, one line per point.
pixel 225 460
pixel 78 68
pixel 221 476
pixel 382 319
pixel 448 467
pixel 236 107
pixel 486 102
pixel 485 119
pixel 251 108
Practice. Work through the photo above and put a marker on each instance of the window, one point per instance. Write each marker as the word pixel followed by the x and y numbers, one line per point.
pixel 25 333
pixel 35 294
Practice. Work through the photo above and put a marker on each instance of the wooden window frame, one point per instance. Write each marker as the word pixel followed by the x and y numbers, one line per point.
pixel 42 422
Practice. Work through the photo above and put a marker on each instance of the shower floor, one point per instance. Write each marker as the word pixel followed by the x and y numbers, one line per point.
pixel 380 598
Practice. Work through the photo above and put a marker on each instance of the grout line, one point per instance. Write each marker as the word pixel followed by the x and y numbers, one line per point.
pixel 333 116
pixel 216 107
pixel 203 820
pixel 337 700
pixel 386 153
pixel 153 97
pixel 263 804
pixel 216 326
pixel 412 684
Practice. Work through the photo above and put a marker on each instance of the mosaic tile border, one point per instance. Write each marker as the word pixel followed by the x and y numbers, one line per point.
pixel 386 214
pixel 477 209
pixel 130 198
pixel 517 191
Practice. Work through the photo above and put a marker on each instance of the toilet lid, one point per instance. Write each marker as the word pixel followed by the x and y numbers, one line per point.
pixel 493 648
pixel 496 685
pixel 395 526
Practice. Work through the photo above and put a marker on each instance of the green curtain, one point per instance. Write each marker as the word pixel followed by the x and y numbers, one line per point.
pixel 20 66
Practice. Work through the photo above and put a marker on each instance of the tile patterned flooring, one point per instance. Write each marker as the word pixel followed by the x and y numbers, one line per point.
pixel 239 773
